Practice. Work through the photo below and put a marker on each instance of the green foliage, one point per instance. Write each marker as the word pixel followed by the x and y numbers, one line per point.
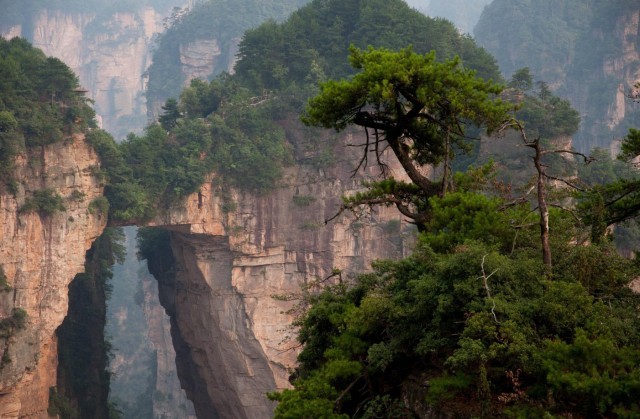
pixel 522 80
pixel 46 202
pixel 4 284
pixel 314 42
pixel 460 216
pixel 201 99
pixel 77 195
pixel 100 204
pixel 484 331
pixel 417 106
pixel 38 102
pixel 614 195
pixel 545 115
pixel 248 150
pixel 151 241
pixel 388 79
pixel 170 114
pixel 128 200
pixel 593 375
pixel 445 388
pixel 630 147
pixel 17 321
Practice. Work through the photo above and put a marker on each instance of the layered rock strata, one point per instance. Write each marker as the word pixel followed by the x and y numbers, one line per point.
pixel 40 254
pixel 234 253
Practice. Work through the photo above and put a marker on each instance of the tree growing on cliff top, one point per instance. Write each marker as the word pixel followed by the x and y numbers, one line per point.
pixel 418 107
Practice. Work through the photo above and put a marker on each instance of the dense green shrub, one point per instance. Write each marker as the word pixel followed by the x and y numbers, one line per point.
pixel 16 321
pixel 482 331
pixel 314 42
pixel 39 104
pixel 100 204
pixel 45 202
pixel 4 284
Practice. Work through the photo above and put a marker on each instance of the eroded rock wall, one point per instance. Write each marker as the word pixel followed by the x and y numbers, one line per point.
pixel 40 255
pixel 233 252
pixel 624 66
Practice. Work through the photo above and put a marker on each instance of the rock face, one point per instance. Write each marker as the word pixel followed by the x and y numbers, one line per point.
pixel 233 252
pixel 169 400
pixel 109 54
pixel 624 66
pixel 592 58
pixel 40 255
pixel 200 58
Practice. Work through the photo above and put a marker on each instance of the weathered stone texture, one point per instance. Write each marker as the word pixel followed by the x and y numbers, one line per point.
pixel 40 255
pixel 235 251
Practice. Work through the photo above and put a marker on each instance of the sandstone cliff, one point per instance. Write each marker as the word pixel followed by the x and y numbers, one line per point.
pixel 233 252
pixel 40 255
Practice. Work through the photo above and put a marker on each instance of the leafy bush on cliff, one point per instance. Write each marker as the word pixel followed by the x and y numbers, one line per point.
pixel 9 325
pixel 39 103
pixel 44 201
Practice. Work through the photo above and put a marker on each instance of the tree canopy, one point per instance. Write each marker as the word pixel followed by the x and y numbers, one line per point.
pixel 314 42
pixel 418 107
pixel 39 101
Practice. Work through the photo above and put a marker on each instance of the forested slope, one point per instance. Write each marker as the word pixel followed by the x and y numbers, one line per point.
pixel 222 22
pixel 39 103
pixel 236 124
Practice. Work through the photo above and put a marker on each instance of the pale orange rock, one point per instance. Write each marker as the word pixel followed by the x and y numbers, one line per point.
pixel 40 256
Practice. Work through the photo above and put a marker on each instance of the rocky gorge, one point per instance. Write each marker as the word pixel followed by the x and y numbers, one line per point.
pixel 237 262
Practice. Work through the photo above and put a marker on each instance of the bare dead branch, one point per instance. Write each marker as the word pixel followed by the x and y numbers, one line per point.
pixel 566 182
pixel 587 159
pixel 388 200
pixel 363 160
pixel 485 279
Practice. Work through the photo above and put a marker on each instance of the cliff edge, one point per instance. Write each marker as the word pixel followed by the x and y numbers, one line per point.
pixel 40 254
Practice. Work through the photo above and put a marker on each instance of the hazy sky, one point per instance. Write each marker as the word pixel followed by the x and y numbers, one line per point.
pixel 419 4
pixel 464 13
